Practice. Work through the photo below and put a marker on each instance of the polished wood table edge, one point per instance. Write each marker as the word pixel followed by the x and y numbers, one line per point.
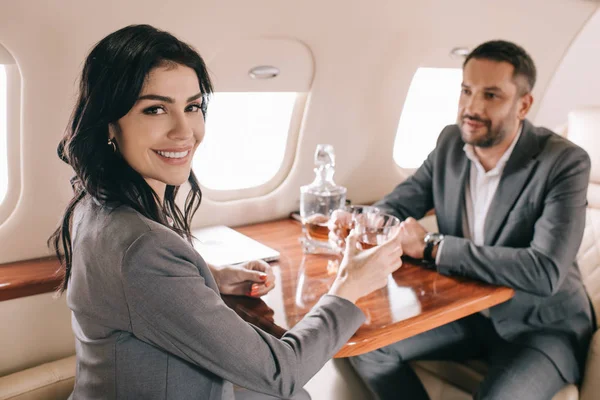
pixel 29 277
pixel 404 329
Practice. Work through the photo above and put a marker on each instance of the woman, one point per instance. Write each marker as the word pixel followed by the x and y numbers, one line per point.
pixel 147 315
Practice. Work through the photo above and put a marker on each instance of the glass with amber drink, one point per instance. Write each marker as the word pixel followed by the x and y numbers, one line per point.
pixel 345 219
pixel 375 229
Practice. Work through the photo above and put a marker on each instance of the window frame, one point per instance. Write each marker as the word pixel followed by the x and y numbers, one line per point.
pixel 282 173
pixel 13 136
pixel 411 170
pixel 229 69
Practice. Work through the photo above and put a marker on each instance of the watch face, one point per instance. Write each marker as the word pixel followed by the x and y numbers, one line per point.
pixel 433 237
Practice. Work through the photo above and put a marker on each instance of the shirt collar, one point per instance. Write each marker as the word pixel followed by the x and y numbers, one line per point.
pixel 470 152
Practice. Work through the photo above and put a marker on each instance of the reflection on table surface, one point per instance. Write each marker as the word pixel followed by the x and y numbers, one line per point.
pixel 415 299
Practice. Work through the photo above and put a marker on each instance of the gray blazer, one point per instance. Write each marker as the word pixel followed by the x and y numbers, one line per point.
pixel 533 231
pixel 149 322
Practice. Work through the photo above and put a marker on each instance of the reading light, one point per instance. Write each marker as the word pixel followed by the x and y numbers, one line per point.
pixel 263 72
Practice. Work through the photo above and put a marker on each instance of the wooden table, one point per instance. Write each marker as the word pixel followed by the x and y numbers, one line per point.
pixel 415 300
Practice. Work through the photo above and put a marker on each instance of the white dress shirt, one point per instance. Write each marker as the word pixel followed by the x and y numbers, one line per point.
pixel 479 192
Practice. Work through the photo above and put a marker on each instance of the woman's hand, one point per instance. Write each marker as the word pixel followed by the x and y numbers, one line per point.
pixel 253 278
pixel 363 271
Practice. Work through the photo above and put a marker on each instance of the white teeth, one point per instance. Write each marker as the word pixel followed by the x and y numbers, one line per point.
pixel 172 154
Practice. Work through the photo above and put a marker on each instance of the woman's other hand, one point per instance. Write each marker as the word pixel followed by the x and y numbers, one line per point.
pixel 253 278
pixel 363 271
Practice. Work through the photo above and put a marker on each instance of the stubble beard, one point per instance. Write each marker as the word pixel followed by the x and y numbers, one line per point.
pixel 492 137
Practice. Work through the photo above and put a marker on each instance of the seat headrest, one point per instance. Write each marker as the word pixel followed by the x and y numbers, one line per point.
pixel 584 131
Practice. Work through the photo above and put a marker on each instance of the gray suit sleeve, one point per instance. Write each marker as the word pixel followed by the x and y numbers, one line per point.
pixel 540 268
pixel 171 307
pixel 414 196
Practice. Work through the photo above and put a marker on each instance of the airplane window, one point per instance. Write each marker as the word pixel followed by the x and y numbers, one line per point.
pixel 3 127
pixel 245 141
pixel 431 104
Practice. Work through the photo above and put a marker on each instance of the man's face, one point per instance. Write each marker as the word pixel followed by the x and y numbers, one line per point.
pixel 491 105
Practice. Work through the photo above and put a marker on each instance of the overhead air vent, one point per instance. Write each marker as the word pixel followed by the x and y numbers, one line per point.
pixel 459 52
pixel 263 72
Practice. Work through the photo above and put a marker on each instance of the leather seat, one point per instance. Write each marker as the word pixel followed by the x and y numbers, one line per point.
pixel 53 380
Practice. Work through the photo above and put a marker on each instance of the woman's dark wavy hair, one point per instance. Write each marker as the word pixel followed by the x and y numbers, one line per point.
pixel 112 79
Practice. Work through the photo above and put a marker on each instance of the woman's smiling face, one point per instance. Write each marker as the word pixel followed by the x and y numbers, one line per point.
pixel 160 134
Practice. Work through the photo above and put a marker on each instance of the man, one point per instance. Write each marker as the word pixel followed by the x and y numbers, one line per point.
pixel 510 202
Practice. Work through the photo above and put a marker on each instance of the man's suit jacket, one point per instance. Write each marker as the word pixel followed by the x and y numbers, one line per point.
pixel 149 322
pixel 532 233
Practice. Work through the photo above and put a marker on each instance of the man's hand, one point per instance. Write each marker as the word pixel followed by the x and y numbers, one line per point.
pixel 254 278
pixel 412 235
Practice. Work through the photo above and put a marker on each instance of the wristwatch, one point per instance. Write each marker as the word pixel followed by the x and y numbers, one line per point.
pixel 431 240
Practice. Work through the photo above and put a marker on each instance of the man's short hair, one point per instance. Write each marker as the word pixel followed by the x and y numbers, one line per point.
pixel 501 50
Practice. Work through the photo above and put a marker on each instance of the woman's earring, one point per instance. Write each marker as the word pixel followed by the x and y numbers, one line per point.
pixel 112 144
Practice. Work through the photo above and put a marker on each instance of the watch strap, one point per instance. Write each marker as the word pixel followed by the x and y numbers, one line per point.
pixel 428 250
pixel 431 240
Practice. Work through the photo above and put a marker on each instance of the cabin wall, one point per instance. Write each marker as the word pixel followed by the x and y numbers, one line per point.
pixel 576 82
pixel 365 54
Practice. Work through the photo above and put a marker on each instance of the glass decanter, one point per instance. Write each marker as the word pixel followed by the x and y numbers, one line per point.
pixel 318 200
